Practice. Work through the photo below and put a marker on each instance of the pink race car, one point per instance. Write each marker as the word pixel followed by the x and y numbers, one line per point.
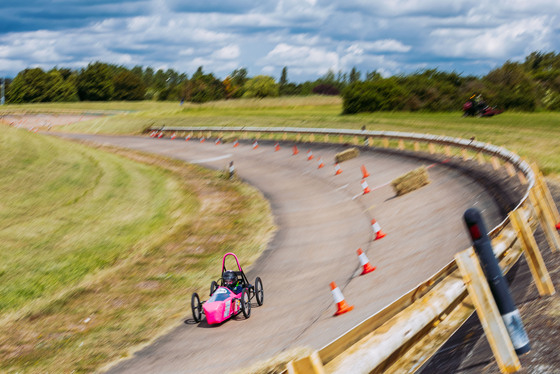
pixel 232 296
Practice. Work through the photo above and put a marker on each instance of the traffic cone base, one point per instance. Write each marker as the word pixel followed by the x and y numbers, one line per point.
pixel 235 144
pixel 341 305
pixel 321 165
pixel 295 150
pixel 380 234
pixel 558 226
pixel 276 147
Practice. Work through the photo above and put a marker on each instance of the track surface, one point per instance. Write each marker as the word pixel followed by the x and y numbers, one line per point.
pixel 322 220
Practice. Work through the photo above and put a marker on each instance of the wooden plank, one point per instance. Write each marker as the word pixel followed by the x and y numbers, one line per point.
pixel 487 311
pixel 416 146
pixel 532 254
pixel 546 221
pixel 401 144
pixel 431 148
pixel 385 143
pixel 495 163
pixel 480 157
pixel 308 365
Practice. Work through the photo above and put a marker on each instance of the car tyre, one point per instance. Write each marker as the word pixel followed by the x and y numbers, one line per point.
pixel 245 303
pixel 259 291
pixel 196 307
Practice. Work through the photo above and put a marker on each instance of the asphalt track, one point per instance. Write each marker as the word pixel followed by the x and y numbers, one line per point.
pixel 322 220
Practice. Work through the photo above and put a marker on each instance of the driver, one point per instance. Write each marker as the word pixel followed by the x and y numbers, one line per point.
pixel 230 281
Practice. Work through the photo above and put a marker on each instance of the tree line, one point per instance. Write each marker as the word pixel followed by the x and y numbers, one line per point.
pixel 530 85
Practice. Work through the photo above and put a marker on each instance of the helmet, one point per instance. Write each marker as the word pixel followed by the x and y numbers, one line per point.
pixel 230 279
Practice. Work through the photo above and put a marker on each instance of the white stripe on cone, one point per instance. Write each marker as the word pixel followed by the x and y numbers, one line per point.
pixel 337 295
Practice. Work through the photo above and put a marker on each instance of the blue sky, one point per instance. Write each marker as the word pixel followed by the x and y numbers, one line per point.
pixel 310 37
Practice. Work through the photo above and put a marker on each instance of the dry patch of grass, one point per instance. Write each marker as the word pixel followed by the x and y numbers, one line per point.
pixel 102 315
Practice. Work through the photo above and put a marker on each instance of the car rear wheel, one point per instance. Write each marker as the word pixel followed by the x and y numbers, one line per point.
pixel 245 303
pixel 213 287
pixel 196 307
pixel 259 292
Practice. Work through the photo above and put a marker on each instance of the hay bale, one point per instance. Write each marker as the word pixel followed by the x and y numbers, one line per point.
pixel 347 154
pixel 411 181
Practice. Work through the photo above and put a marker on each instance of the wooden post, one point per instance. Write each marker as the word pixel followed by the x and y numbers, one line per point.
pixel 521 177
pixel 401 144
pixel 312 138
pixel 510 169
pixel 284 136
pixel 532 253
pixel 385 143
pixel 355 140
pixel 495 163
pixel 298 137
pixel 487 311
pixel 326 138
pixel 546 221
pixel 416 146
pixel 545 192
pixel 448 151
pixel 308 365
pixel 370 141
pixel 431 148
pixel 340 139
pixel 465 154
pixel 480 158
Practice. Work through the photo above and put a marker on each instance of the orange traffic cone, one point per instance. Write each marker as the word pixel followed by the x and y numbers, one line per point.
pixel 218 141
pixel 203 139
pixel 187 138
pixel 558 226
pixel 160 134
pixel 235 143
pixel 365 174
pixel 341 305
pixel 255 145
pixel 377 230
pixel 173 136
pixel 337 169
pixel 365 187
pixel 276 147
pixel 309 155
pixel 295 150
pixel 364 261
pixel 152 134
pixel 321 163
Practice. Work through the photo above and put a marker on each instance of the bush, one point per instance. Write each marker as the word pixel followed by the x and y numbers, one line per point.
pixel 325 89
pixel 379 95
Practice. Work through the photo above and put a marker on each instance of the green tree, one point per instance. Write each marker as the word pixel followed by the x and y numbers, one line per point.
pixel 380 95
pixel 510 87
pixel 29 86
pixel 128 86
pixel 95 83
pixel 61 86
pixel 202 88
pixel 354 75
pixel 261 86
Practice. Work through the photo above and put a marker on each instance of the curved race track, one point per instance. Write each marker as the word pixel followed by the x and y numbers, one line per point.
pixel 322 220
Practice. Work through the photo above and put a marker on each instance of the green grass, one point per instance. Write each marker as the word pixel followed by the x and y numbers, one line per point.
pixel 100 251
pixel 535 136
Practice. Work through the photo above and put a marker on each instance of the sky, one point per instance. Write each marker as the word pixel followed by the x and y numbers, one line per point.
pixel 309 37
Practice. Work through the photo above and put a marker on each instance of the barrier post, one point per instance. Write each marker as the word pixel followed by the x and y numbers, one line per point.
pixel 546 222
pixel 308 365
pixel 541 185
pixel 498 285
pixel 532 254
pixel 487 311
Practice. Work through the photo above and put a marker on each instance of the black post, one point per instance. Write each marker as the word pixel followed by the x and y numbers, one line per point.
pixel 498 284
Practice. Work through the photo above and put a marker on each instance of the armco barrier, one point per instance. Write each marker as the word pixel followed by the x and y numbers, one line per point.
pixel 418 312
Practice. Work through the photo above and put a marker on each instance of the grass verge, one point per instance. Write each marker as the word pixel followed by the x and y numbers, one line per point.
pixel 532 135
pixel 101 250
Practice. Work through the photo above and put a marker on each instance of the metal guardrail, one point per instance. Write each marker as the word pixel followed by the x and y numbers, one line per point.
pixel 506 240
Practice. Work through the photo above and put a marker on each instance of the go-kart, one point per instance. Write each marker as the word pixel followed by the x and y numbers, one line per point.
pixel 224 303
pixel 472 109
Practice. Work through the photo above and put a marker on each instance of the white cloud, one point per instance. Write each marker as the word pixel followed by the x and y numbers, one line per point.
pixel 229 52
pixel 302 59
pixel 501 42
